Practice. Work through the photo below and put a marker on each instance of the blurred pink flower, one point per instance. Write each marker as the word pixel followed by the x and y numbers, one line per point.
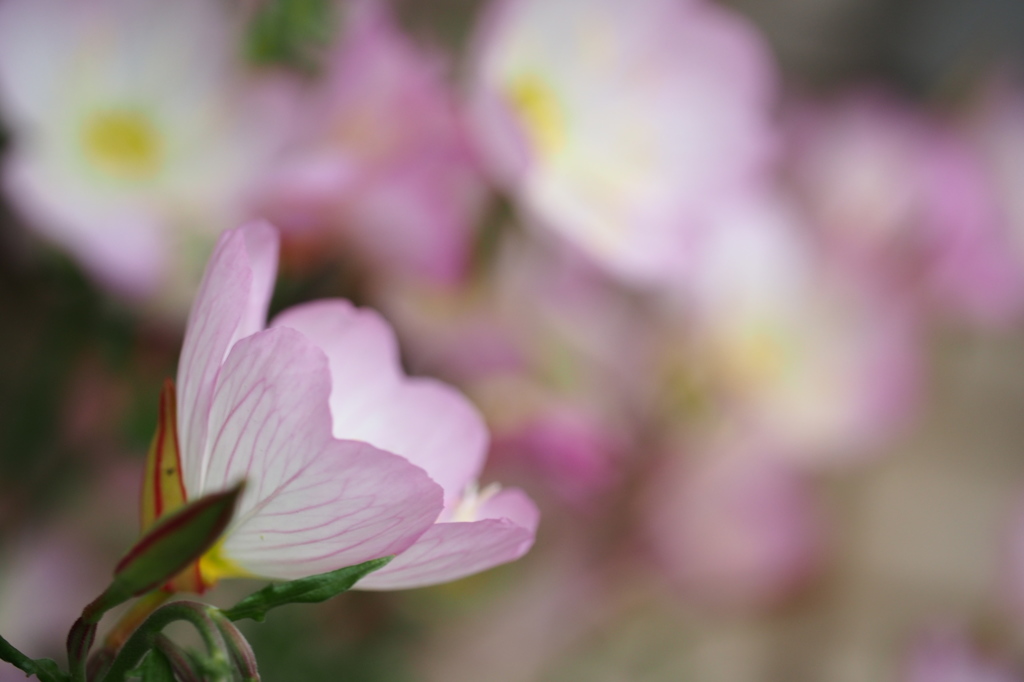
pixel 906 197
pixel 432 426
pixel 575 453
pixel 825 364
pixel 270 405
pixel 384 165
pixel 522 631
pixel 733 525
pixel 619 125
pixel 1011 577
pixel 135 134
pixel 44 580
pixel 997 127
pixel 559 360
pixel 946 656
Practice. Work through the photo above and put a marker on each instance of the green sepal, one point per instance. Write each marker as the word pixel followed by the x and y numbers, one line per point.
pixel 167 548
pixel 311 590
pixel 79 641
pixel 155 668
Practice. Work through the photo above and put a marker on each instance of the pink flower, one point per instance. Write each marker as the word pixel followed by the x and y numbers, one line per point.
pixel 733 525
pixel 576 454
pixel 1012 560
pixel 824 363
pixel 620 124
pixel 946 655
pixel 997 127
pixel 558 357
pixel 385 166
pixel 44 578
pixel 136 134
pixel 309 411
pixel 903 195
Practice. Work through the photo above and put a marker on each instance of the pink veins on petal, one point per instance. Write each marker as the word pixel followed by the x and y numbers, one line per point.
pixel 347 459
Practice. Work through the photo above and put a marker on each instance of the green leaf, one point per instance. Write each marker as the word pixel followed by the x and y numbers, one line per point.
pixel 311 590
pixel 155 668
pixel 167 548
pixel 291 32
pixel 47 670
pixel 43 668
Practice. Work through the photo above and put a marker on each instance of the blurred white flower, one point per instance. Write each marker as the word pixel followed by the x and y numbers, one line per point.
pixel 135 134
pixel 819 362
pixel 620 125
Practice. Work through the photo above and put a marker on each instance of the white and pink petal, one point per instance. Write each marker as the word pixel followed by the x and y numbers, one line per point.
pixel 236 276
pixel 425 421
pixel 349 504
pixel 313 503
pixel 504 532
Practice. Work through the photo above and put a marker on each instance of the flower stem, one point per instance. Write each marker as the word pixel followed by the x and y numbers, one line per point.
pixel 45 670
pixel 146 637
pixel 139 611
pixel 178 658
pixel 9 653
pixel 241 652
pixel 80 640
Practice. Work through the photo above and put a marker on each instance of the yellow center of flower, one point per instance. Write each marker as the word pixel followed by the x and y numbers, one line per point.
pixel 123 144
pixel 761 354
pixel 535 103
pixel 214 566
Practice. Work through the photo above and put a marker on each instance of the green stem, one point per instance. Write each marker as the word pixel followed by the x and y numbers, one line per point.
pixel 9 653
pixel 241 653
pixel 45 670
pixel 132 618
pixel 98 664
pixel 80 640
pixel 115 639
pixel 178 658
pixel 145 638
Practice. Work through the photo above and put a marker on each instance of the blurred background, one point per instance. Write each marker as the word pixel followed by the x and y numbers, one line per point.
pixel 738 286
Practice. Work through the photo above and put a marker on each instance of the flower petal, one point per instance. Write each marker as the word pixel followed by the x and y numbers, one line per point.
pixel 122 245
pixel 262 245
pixel 235 291
pixel 449 551
pixel 37 44
pixel 314 503
pixel 514 505
pixel 360 347
pixel 425 421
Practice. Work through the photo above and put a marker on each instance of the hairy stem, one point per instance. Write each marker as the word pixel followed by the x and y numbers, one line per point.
pixel 178 658
pixel 241 652
pixel 146 637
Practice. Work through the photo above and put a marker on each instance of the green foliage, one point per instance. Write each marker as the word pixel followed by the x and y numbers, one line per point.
pixel 155 668
pixel 47 670
pixel 291 32
pixel 313 589
pixel 43 668
pixel 365 634
pixel 169 547
pixel 175 542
